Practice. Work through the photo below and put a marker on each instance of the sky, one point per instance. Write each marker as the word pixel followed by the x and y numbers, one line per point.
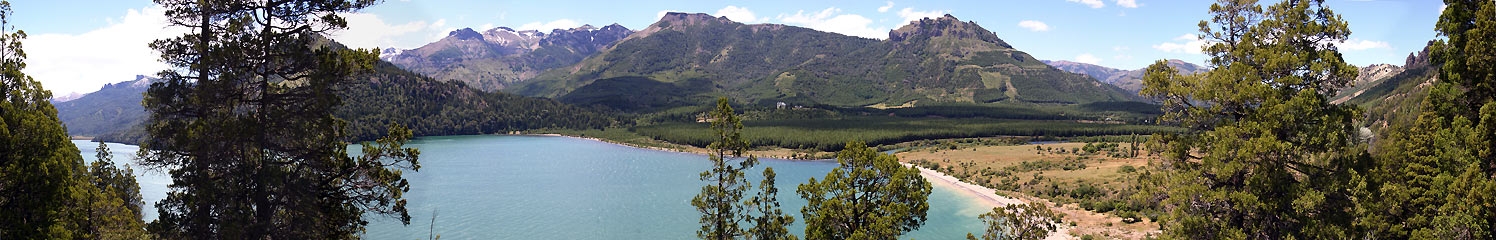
pixel 76 46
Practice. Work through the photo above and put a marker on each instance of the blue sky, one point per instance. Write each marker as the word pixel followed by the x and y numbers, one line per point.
pixel 77 45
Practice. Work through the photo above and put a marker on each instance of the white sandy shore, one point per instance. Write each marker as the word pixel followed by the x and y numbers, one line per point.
pixel 982 195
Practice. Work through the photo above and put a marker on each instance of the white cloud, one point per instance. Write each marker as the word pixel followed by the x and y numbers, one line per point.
pixel 1128 3
pixel 548 26
pixel 1087 58
pixel 1362 44
pixel 910 15
pixel 367 30
pixel 738 14
pixel 831 21
pixel 661 13
pixel 1442 7
pixel 1032 25
pixel 1186 44
pixel 885 8
pixel 81 63
pixel 1092 3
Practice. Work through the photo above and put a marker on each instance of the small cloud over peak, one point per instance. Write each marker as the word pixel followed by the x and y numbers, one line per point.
pixel 1127 3
pixel 1032 25
pixel 831 20
pixel 1186 44
pixel 910 15
pixel 738 14
pixel 1090 3
pixel 661 13
pixel 1087 58
pixel 1362 44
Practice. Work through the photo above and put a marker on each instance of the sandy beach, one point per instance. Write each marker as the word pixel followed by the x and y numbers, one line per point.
pixel 983 195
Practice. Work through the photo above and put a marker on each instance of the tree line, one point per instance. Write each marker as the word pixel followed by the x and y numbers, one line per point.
pixel 1267 156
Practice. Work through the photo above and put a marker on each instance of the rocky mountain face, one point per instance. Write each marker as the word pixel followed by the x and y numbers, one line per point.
pixel 495 58
pixel 103 111
pixel 939 60
pixel 1130 80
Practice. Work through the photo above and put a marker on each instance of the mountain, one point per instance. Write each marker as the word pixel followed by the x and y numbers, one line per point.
pixel 690 57
pixel 495 58
pixel 388 95
pixel 56 98
pixel 1393 100
pixel 1369 77
pixel 103 111
pixel 1130 80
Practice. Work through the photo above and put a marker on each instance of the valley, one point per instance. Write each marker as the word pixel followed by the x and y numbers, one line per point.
pixel 503 118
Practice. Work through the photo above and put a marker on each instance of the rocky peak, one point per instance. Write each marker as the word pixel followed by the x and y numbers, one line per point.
pixel 945 26
pixel 615 27
pixel 465 34
pixel 679 18
pixel 586 39
pixel 1418 59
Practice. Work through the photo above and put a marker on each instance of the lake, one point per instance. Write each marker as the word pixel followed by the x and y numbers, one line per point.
pixel 541 187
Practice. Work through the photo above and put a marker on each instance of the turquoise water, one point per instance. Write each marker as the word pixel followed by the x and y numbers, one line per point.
pixel 537 187
pixel 152 183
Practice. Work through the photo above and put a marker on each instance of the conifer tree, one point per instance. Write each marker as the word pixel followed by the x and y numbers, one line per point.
pixel 869 196
pixel 721 201
pixel 1265 154
pixel 43 193
pixel 1436 179
pixel 243 123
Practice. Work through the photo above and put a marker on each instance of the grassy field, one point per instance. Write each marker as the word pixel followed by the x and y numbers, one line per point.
pixel 833 134
pixel 1089 183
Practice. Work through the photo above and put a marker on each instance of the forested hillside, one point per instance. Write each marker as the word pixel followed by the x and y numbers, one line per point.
pixel 928 61
pixel 391 95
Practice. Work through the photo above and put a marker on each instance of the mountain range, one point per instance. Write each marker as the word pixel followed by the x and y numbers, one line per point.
pixel 495 58
pixel 474 82
pixel 686 57
pixel 103 111
pixel 1130 80
pixel 384 96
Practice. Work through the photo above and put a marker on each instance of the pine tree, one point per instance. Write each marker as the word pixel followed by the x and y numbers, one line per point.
pixel 1030 221
pixel 42 180
pixel 1436 179
pixel 115 202
pixel 770 223
pixel 1265 154
pixel 721 201
pixel 243 123
pixel 870 196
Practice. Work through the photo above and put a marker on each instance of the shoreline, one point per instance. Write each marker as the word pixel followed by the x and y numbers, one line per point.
pixel 983 196
pixel 979 195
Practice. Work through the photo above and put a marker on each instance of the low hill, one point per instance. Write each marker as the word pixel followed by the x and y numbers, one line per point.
pixel 928 61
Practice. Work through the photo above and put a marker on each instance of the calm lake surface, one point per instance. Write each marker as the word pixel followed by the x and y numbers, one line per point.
pixel 539 187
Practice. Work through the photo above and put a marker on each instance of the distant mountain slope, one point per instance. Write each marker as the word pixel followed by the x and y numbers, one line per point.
pixel 1395 100
pixel 927 61
pixel 388 95
pixel 1369 77
pixel 103 111
pixel 1130 80
pixel 498 57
